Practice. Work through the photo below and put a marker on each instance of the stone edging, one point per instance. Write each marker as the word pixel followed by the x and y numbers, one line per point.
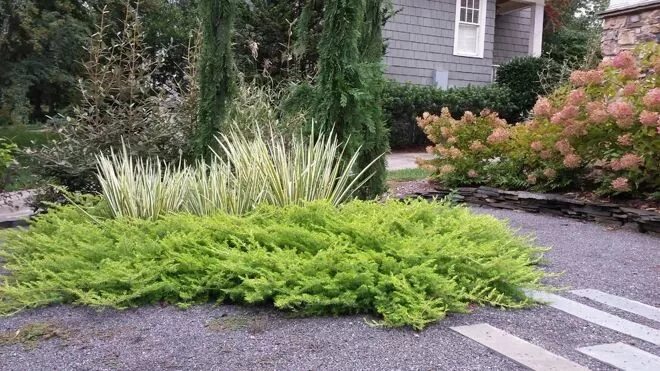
pixel 607 213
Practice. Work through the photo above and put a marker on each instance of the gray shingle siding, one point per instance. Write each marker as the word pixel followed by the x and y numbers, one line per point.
pixel 512 33
pixel 421 41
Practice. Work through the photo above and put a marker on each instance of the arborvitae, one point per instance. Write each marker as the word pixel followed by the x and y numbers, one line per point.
pixel 217 73
pixel 350 82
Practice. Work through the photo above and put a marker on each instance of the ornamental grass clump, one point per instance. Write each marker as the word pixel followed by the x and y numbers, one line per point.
pixel 141 188
pixel 409 263
pixel 244 173
pixel 600 132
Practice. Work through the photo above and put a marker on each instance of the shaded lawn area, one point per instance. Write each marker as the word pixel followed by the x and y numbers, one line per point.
pixel 24 176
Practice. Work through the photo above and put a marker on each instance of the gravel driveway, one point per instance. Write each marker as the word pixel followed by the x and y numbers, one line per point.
pixel 618 262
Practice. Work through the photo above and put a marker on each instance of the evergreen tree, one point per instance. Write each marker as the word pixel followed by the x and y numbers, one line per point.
pixel 41 43
pixel 350 82
pixel 216 70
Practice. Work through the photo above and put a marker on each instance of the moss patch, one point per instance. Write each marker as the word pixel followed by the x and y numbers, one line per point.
pixel 253 324
pixel 32 334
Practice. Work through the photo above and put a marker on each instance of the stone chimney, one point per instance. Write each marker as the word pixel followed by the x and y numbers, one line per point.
pixel 627 23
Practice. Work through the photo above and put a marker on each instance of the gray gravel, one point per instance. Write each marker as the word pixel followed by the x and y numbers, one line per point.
pixel 619 262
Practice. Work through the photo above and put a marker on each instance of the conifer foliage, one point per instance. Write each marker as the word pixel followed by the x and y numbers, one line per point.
pixel 350 82
pixel 217 70
pixel 408 263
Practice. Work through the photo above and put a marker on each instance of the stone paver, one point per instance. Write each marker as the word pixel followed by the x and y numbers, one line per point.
pixel 623 356
pixel 516 349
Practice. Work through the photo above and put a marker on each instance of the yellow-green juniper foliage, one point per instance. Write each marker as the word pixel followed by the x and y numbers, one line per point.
pixel 408 262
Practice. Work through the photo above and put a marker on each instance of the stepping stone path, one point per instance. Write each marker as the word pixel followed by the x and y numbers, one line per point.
pixel 619 355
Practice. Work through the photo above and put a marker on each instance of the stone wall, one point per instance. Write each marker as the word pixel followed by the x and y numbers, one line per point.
pixel 623 30
pixel 600 212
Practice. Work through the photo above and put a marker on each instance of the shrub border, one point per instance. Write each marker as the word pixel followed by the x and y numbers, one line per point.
pixel 600 212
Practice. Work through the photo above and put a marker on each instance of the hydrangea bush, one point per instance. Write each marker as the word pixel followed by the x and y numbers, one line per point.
pixel 599 132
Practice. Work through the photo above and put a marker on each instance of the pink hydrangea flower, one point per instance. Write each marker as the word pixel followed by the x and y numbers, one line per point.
pixel 472 174
pixel 594 77
pixel 648 118
pixel 430 149
pixel 531 179
pixel 536 145
pixel 468 117
pixel 624 140
pixel 570 112
pixel 545 154
pixel 596 112
pixel 455 153
pixel 477 146
pixel 550 173
pixel 499 135
pixel 445 132
pixel 652 98
pixel 574 129
pixel 621 184
pixel 542 108
pixel 576 97
pixel 565 116
pixel 629 89
pixel 428 167
pixel 451 152
pixel 630 73
pixel 623 60
pixel 557 118
pixel 578 78
pixel 623 112
pixel 446 169
pixel 629 161
pixel 564 147
pixel 451 140
pixel 572 161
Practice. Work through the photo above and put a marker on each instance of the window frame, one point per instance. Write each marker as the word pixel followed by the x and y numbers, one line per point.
pixel 481 32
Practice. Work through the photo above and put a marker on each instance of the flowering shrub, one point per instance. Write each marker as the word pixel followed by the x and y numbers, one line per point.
pixel 601 131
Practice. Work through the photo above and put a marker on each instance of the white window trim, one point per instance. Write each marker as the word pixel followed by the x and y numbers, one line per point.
pixel 483 4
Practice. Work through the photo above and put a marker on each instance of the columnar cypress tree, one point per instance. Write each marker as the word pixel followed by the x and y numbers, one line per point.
pixel 217 72
pixel 350 82
pixel 375 134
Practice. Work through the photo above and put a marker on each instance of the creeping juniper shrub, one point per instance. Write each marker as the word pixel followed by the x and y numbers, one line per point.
pixel 408 262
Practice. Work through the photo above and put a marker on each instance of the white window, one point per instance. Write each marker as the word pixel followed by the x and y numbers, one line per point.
pixel 470 28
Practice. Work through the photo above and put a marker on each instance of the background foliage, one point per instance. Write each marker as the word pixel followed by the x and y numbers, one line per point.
pixel 42 43
pixel 402 103
pixel 121 104
pixel 523 76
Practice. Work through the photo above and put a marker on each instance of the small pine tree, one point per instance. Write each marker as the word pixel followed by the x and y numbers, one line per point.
pixel 216 71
